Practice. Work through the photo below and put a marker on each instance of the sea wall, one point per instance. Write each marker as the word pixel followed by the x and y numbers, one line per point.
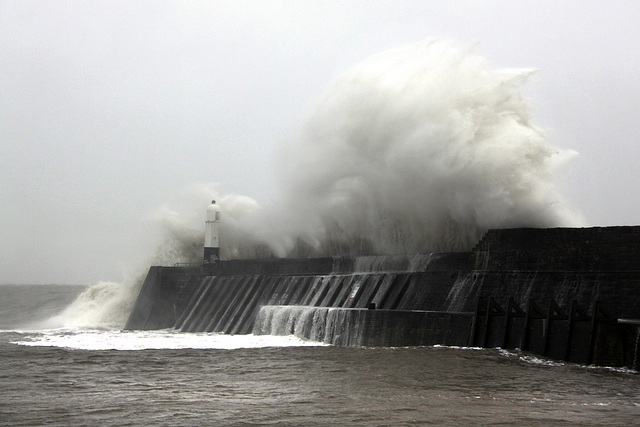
pixel 229 303
pixel 560 249
pixel 421 299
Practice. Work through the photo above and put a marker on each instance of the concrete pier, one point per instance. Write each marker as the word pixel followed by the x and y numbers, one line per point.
pixel 570 287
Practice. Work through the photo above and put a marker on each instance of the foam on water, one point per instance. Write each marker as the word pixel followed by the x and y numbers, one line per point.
pixel 146 340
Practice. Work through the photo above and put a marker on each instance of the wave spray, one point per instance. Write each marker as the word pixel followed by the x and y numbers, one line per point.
pixel 417 149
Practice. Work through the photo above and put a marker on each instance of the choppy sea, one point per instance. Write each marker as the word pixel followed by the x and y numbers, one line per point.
pixel 105 376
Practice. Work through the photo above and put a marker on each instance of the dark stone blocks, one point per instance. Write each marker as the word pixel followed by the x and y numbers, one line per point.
pixel 427 299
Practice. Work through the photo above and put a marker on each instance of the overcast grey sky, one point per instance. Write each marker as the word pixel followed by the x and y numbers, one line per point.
pixel 110 110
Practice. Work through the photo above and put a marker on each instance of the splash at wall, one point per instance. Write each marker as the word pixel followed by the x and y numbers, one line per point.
pixel 417 149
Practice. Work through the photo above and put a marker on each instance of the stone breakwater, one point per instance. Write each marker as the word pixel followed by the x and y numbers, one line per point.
pixel 566 293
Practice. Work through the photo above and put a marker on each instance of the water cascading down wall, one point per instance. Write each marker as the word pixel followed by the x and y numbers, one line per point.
pixel 471 298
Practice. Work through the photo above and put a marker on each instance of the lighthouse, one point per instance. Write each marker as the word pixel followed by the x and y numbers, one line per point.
pixel 211 243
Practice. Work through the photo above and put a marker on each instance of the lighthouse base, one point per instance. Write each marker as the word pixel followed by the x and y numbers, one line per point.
pixel 211 255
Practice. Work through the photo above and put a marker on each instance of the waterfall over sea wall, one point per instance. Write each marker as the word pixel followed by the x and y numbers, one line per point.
pixel 363 327
pixel 321 324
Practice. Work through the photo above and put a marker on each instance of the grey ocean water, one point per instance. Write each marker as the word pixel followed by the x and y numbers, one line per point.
pixel 109 377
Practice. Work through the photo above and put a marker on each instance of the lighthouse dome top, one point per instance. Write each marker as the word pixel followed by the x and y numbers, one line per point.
pixel 213 211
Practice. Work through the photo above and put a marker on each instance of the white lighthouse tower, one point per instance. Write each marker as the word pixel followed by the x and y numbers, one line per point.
pixel 211 243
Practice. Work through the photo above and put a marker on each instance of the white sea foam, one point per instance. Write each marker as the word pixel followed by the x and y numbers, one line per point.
pixel 103 305
pixel 145 340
